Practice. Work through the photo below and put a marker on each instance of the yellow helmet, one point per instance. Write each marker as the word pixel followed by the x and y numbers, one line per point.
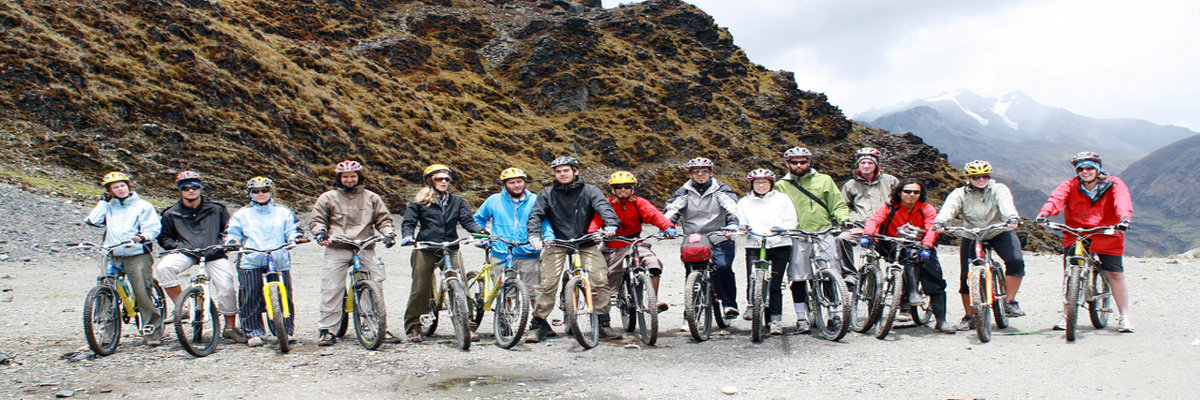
pixel 259 182
pixel 511 173
pixel 978 167
pixel 622 177
pixel 433 169
pixel 114 177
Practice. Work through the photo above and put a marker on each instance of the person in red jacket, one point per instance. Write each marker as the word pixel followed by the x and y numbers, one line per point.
pixel 908 206
pixel 633 212
pixel 1091 199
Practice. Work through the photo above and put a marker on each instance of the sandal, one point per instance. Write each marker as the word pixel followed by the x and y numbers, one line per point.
pixel 414 336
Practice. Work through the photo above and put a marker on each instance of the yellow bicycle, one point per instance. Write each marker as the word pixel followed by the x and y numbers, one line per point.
pixel 505 295
pixel 275 294
pixel 110 303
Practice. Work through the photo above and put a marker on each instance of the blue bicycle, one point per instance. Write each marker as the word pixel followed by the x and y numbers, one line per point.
pixel 364 298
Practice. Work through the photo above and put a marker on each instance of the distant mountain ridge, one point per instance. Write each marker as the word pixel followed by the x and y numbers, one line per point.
pixel 1166 208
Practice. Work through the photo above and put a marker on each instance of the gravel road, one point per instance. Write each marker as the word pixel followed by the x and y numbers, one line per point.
pixel 42 286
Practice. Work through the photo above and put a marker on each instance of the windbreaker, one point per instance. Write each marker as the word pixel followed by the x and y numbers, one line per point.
pixel 695 212
pixel 194 228
pixel 1112 204
pixel 509 219
pixel 979 207
pixel 438 221
pixel 122 219
pixel 811 216
pixel 569 209
pixel 354 213
pixel 264 226
pixel 863 197
pixel 921 216
pixel 774 209
pixel 632 213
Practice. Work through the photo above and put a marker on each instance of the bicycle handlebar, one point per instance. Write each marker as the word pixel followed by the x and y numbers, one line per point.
pixel 574 243
pixel 633 241
pixel 247 250
pixel 897 240
pixel 102 249
pixel 442 245
pixel 360 244
pixel 801 232
pixel 196 252
pixel 1098 230
pixel 976 233
pixel 494 238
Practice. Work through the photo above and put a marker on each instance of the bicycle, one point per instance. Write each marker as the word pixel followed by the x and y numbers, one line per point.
pixel 448 289
pixel 275 294
pixel 757 287
pixel 363 298
pixel 899 285
pixel 506 296
pixel 582 299
pixel 985 279
pixel 190 308
pixel 699 296
pixel 110 303
pixel 827 291
pixel 635 296
pixel 1083 281
pixel 867 294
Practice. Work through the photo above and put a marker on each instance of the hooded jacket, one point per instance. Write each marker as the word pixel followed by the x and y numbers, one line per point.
pixel 438 220
pixel 122 219
pixel 1111 205
pixel 864 196
pixel 812 216
pixel 707 212
pixel 774 209
pixel 354 213
pixel 921 216
pixel 570 208
pixel 979 207
pixel 264 226
pixel 510 220
pixel 194 228
pixel 633 213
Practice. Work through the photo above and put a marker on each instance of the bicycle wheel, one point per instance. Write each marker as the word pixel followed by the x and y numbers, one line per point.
pixel 159 299
pixel 646 305
pixel 977 281
pixel 893 291
pixel 459 312
pixel 757 286
pixel 277 321
pixel 1100 305
pixel 475 296
pixel 102 320
pixel 345 323
pixel 698 308
pixel 1072 310
pixel 370 314
pixel 429 321
pixel 196 323
pixel 511 312
pixel 714 305
pixel 999 296
pixel 829 305
pixel 626 302
pixel 583 320
pixel 865 296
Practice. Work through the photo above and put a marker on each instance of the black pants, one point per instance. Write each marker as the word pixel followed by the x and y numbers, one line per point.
pixel 252 306
pixel 779 257
pixel 929 275
pixel 1006 245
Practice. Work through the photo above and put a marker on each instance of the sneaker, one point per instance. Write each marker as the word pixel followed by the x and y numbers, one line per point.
pixel 1125 324
pixel 1013 309
pixel 663 306
pixel 1061 325
pixel 169 318
pixel 941 327
pixel 902 315
pixel 255 341
pixel 608 333
pixel 731 312
pixel 802 326
pixel 685 327
pixel 153 341
pixel 390 338
pixel 746 315
pixel 776 328
pixel 967 323
pixel 234 334
pixel 326 338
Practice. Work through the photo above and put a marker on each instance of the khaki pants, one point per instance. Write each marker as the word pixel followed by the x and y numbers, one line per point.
pixel 553 260
pixel 220 274
pixel 141 277
pixel 423 263
pixel 333 282
pixel 616 271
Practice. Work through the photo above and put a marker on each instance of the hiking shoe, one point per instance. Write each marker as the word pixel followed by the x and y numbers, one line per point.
pixel 326 338
pixel 802 326
pixel 967 323
pixel 388 337
pixel 902 315
pixel 255 341
pixel 1061 325
pixel 776 328
pixel 746 315
pixel 941 327
pixel 663 306
pixel 152 341
pixel 1125 324
pixel 685 327
pixel 1013 309
pixel 234 334
pixel 414 335
pixel 608 333
pixel 731 312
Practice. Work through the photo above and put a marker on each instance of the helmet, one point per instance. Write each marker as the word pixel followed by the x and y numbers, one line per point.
pixel 349 166
pixel 865 152
pixel 978 167
pixel 511 173
pixel 622 177
pixel 699 162
pixel 564 160
pixel 114 177
pixel 761 173
pixel 1085 156
pixel 797 152
pixel 186 175
pixel 433 169
pixel 259 182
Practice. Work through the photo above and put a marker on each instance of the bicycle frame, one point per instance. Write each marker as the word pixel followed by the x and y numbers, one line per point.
pixel 356 272
pixel 1081 261
pixel 576 270
pixel 273 278
pixel 982 258
pixel 484 277
pixel 113 276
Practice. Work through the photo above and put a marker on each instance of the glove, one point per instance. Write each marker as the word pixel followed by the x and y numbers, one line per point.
pixel 483 243
pixel 389 241
pixel 610 230
pixel 848 225
pixel 406 241
pixel 925 254
pixel 1014 221
pixel 485 232
pixel 730 227
pixel 1123 225
pixel 777 229
pixel 744 228
pixel 865 242
pixel 1041 219
pixel 938 226
pixel 671 232
pixel 321 236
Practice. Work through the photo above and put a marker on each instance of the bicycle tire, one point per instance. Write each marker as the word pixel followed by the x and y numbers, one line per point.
pixel 102 320
pixel 698 311
pixel 829 305
pixel 999 296
pixel 894 289
pixel 429 321
pixel 646 302
pixel 475 299
pixel 277 319
pixel 626 302
pixel 977 281
pixel 584 322
pixel 370 314
pixel 192 313
pixel 756 304
pixel 159 299
pixel 866 296
pixel 459 313
pixel 1072 311
pixel 714 305
pixel 1100 306
pixel 344 325
pixel 511 312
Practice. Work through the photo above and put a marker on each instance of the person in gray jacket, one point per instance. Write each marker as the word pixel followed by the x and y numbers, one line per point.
pixel 706 206
pixel 865 192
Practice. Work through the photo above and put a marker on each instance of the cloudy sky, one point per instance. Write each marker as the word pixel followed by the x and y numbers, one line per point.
pixel 1101 58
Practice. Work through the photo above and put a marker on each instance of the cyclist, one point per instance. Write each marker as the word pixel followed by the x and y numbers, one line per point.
pixel 262 224
pixel 508 212
pixel 353 212
pixel 125 216
pixel 706 206
pixel 907 207
pixel 633 211
pixel 196 222
pixel 819 205
pixel 865 192
pixel 569 205
pixel 436 211
pixel 765 209
pixel 979 203
pixel 1094 198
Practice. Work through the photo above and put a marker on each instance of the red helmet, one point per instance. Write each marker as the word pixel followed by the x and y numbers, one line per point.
pixel 187 174
pixel 349 166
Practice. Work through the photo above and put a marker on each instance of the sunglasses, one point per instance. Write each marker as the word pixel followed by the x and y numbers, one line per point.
pixel 981 177
pixel 700 171
pixel 260 191
pixel 799 162
pixel 189 187
pixel 619 187
pixel 441 179
pixel 1081 169
pixel 911 191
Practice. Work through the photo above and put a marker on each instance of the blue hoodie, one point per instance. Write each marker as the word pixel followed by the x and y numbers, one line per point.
pixel 124 218
pixel 509 218
pixel 263 226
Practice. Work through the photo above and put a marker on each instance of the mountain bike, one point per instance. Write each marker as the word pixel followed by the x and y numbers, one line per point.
pixel 111 303
pixel 758 287
pixel 699 293
pixel 576 297
pixel 899 285
pixel 363 297
pixel 191 315
pixel 1083 282
pixel 275 294
pixel 867 294
pixel 448 292
pixel 985 278
pixel 636 299
pixel 827 291
pixel 505 295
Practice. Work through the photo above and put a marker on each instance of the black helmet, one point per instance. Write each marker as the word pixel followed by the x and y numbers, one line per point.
pixel 564 160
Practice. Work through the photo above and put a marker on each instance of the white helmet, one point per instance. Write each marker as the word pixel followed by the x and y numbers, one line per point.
pixel 797 152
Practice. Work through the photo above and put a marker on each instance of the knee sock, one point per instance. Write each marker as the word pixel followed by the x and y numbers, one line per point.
pixel 801 310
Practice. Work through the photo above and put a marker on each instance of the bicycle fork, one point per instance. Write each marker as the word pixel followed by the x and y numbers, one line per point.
pixel 577 263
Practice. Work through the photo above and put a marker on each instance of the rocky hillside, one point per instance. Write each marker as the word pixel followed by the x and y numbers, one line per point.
pixel 1165 207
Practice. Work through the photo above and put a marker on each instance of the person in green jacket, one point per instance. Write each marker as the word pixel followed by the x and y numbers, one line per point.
pixel 819 205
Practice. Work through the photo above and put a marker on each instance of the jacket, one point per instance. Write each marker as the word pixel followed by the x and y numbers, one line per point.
pixel 863 197
pixel 632 213
pixel 569 208
pixel 193 228
pixel 122 219
pixel 1112 205
pixel 774 209
pixel 263 226
pixel 510 218
pixel 811 216
pixel 979 207
pixel 703 213
pixel 354 213
pixel 921 216
pixel 438 221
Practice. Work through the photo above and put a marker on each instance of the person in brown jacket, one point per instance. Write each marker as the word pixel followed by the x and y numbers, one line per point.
pixel 353 212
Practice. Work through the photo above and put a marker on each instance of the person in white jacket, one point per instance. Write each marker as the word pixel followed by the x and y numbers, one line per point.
pixel 760 211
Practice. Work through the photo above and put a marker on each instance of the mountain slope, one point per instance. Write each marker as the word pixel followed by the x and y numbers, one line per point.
pixel 1166 209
